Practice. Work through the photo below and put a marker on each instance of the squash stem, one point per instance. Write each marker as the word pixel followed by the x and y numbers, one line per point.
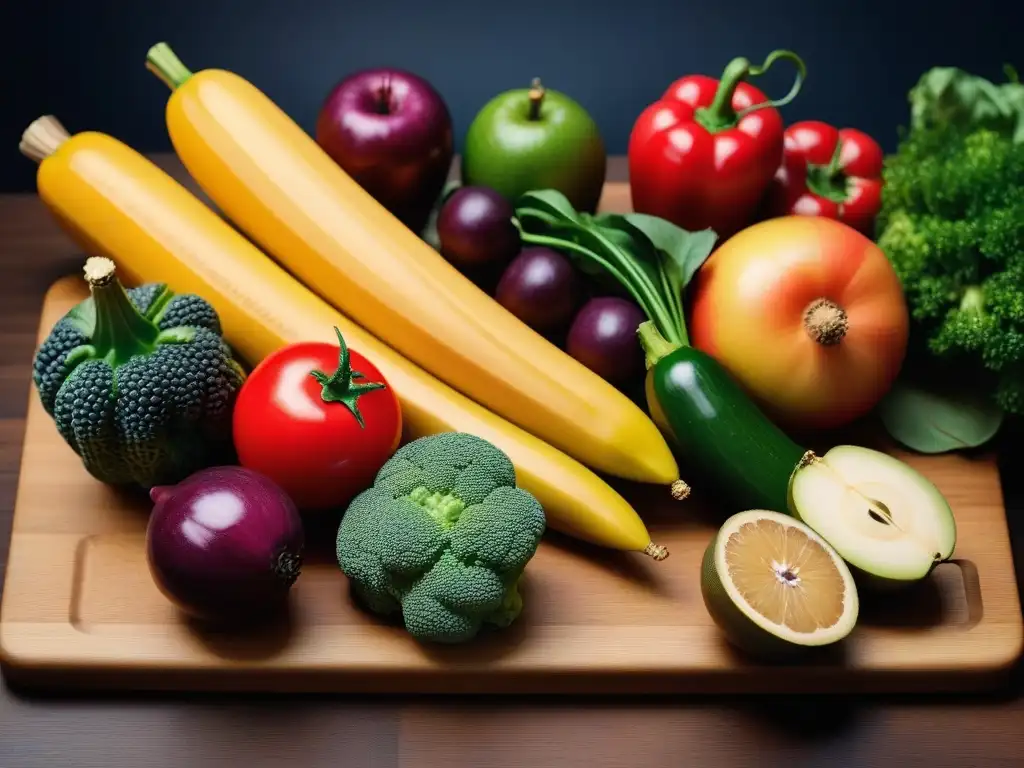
pixel 165 64
pixel 654 344
pixel 121 331
pixel 42 138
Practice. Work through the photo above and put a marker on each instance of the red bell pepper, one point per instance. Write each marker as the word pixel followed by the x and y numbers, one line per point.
pixel 828 172
pixel 704 154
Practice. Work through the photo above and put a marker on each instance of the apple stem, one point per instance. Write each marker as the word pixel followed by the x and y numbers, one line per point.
pixel 536 98
pixel 384 97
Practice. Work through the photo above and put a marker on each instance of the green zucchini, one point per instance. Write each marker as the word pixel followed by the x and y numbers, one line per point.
pixel 722 436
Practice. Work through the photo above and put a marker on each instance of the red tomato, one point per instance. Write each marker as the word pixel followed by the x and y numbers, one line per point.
pixel 318 419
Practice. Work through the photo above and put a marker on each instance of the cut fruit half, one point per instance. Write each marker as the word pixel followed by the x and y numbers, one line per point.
pixel 775 587
pixel 882 516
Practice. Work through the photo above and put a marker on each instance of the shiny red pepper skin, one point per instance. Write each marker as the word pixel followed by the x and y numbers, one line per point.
pixel 699 161
pixel 814 180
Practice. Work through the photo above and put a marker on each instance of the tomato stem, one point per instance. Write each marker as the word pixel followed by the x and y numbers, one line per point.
pixel 339 387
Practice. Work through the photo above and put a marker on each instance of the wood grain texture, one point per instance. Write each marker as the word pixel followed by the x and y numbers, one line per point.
pixel 122 731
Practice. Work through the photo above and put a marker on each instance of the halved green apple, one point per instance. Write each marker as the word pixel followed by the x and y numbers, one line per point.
pixel 883 517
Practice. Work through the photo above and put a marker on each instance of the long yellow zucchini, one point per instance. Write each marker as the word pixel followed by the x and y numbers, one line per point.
pixel 114 202
pixel 275 183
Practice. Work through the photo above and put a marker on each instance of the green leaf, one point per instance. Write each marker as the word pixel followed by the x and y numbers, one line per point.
pixel 688 250
pixel 938 422
pixel 644 254
pixel 948 97
pixel 551 201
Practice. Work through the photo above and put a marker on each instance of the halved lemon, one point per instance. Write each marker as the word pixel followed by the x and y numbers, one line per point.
pixel 774 586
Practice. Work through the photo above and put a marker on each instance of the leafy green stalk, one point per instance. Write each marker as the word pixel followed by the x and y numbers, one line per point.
pixel 560 219
pixel 651 258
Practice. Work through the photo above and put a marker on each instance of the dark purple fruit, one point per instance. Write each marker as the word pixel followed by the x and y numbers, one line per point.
pixel 475 229
pixel 541 288
pixel 603 337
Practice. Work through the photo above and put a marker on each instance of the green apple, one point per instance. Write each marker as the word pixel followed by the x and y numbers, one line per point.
pixel 532 138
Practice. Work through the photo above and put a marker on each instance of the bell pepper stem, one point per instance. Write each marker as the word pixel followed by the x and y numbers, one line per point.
pixel 828 181
pixel 833 164
pixel 165 64
pixel 720 115
pixel 339 387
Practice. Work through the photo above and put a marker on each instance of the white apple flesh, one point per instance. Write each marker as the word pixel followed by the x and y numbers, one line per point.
pixel 881 515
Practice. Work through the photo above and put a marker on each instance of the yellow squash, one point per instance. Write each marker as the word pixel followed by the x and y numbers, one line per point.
pixel 114 202
pixel 278 186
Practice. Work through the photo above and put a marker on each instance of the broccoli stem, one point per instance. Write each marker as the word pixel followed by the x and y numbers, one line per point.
pixel 121 332
pixel 973 299
pixel 339 387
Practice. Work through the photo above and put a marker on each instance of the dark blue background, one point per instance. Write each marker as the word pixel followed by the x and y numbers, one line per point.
pixel 83 61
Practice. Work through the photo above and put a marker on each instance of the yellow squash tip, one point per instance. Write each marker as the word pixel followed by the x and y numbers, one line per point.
pixel 656 551
pixel 680 490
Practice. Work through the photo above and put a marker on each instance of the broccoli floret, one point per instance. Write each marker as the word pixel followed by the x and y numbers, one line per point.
pixel 139 382
pixel 952 225
pixel 443 537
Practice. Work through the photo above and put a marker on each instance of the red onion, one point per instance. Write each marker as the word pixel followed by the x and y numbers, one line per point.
pixel 224 543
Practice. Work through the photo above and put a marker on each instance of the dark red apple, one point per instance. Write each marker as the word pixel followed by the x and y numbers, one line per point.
pixel 391 131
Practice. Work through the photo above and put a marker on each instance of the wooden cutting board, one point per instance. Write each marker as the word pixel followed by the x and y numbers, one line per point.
pixel 80 610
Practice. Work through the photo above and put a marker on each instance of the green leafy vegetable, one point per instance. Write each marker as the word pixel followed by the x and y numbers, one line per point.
pixel 651 258
pixel 952 225
pixel 931 422
pixel 950 97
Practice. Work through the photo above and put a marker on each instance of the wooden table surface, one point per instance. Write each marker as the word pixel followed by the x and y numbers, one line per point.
pixel 202 731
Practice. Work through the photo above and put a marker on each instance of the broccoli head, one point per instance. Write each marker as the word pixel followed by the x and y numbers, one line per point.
pixel 139 383
pixel 443 537
pixel 952 225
